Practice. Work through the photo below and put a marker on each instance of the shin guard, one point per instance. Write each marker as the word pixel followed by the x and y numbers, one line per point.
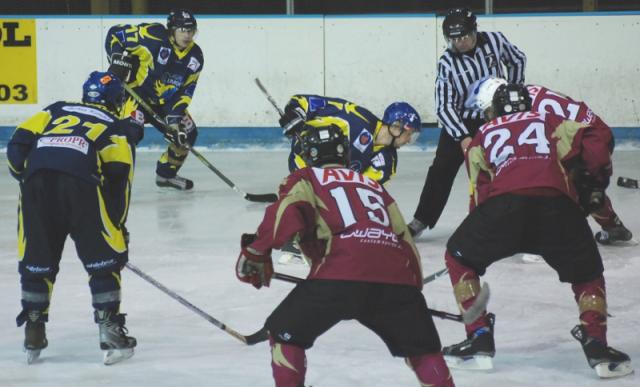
pixel 592 306
pixel 431 370
pixel 466 287
pixel 288 363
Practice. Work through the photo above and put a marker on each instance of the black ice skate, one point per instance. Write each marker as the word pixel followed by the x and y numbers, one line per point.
pixel 114 342
pixel 606 361
pixel 474 353
pixel 35 338
pixel 617 233
pixel 416 228
pixel 291 254
pixel 177 182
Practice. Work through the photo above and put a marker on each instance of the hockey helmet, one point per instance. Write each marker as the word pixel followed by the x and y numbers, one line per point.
pixel 481 93
pixel 406 115
pixel 511 98
pixel 325 144
pixel 181 18
pixel 103 88
pixel 459 22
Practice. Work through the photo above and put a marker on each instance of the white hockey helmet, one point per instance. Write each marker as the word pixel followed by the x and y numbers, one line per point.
pixel 481 94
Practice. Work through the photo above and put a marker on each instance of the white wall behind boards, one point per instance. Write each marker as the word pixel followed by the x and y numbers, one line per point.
pixel 370 60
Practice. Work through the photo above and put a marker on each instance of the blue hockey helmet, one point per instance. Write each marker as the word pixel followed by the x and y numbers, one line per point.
pixel 181 18
pixel 103 88
pixel 406 115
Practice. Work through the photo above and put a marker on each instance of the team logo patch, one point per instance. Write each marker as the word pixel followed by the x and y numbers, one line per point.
pixel 363 140
pixel 194 64
pixel 163 55
pixel 138 117
pixel 378 161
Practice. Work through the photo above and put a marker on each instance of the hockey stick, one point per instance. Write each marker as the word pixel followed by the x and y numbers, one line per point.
pixel 627 182
pixel 269 97
pixel 252 339
pixel 262 198
pixel 468 316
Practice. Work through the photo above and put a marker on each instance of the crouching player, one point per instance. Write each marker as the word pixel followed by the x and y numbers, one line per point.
pixel 364 264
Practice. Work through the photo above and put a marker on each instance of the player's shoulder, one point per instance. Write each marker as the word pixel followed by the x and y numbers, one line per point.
pixel 196 51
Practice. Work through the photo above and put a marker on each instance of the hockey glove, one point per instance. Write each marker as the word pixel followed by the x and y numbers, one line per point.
pixel 253 267
pixel 124 66
pixel 292 120
pixel 176 131
pixel 590 191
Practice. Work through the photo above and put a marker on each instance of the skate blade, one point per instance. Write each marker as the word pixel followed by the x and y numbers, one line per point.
pixel 613 370
pixel 113 356
pixel 478 362
pixel 291 259
pixel 532 258
pixel 32 355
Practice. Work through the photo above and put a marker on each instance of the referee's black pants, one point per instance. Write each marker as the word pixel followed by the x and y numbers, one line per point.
pixel 442 173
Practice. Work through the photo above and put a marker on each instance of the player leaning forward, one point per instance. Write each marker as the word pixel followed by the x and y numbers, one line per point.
pixel 520 165
pixel 74 162
pixel 162 65
pixel 364 264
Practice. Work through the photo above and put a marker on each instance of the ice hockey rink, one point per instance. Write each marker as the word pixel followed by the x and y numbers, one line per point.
pixel 189 241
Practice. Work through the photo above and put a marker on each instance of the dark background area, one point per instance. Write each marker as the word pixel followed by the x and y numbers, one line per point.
pixel 275 7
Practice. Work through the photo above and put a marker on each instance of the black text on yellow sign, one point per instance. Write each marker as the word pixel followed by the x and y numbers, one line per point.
pixel 18 66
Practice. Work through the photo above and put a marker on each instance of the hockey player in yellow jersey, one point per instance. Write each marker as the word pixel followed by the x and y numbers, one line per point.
pixel 74 163
pixel 162 65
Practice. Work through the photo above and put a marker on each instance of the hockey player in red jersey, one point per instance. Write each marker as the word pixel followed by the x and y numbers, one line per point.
pixel 364 264
pixel 522 167
pixel 544 100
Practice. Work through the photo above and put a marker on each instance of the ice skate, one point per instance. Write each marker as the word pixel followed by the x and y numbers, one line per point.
pixel 618 234
pixel 177 182
pixel 35 340
pixel 474 353
pixel 114 342
pixel 416 228
pixel 606 361
pixel 291 255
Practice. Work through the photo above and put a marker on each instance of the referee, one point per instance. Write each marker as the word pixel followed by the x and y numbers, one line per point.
pixel 470 57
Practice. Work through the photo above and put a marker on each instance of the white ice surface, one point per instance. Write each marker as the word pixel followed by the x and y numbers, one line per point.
pixel 189 241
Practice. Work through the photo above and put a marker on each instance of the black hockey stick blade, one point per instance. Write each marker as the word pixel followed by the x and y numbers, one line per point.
pixel 627 182
pixel 261 198
pixel 479 305
pixel 258 337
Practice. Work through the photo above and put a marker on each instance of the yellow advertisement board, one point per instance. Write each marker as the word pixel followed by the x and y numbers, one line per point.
pixel 18 66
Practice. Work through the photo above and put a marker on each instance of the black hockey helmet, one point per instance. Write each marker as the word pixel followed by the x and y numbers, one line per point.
pixel 511 98
pixel 181 18
pixel 459 22
pixel 324 144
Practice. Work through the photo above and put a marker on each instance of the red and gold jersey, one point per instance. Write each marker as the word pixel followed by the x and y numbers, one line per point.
pixel 544 100
pixel 348 226
pixel 527 151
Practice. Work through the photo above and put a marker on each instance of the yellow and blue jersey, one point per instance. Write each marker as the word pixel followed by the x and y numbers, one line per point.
pixel 378 162
pixel 166 76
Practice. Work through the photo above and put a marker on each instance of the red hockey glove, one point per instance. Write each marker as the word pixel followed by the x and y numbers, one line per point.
pixel 253 267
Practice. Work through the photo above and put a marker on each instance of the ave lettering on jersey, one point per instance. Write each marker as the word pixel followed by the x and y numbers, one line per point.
pixel 18 67
pixel 343 175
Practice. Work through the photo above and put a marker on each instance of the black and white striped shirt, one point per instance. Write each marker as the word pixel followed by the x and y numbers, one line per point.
pixel 456 72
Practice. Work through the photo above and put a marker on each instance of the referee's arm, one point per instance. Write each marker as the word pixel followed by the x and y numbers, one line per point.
pixel 448 103
pixel 514 59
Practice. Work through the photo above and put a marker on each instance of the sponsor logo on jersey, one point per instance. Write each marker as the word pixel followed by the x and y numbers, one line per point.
pixel 71 142
pixel 363 140
pixel 163 55
pixel 88 111
pixel 373 235
pixel 138 117
pixel 101 264
pixel 38 269
pixel 343 175
pixel 194 64
pixel 378 161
